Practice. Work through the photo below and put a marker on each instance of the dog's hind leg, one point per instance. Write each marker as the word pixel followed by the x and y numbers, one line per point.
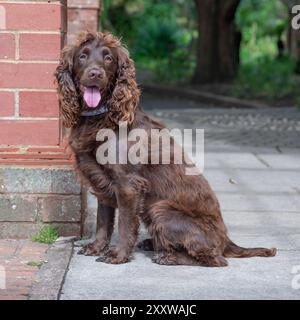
pixel 173 230
pixel 183 258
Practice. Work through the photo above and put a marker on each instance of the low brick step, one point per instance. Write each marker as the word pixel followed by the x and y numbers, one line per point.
pixel 35 155
pixel 45 149
pixel 37 162
pixel 33 195
pixel 41 149
pixel 9 149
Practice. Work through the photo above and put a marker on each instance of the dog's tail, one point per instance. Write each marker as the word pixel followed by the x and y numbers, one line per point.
pixel 234 251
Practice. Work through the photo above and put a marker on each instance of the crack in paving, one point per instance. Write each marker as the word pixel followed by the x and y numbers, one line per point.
pixel 264 162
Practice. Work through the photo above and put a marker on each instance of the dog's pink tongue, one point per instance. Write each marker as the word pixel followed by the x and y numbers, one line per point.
pixel 92 96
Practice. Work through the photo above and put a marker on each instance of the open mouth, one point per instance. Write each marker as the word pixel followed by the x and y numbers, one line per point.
pixel 92 96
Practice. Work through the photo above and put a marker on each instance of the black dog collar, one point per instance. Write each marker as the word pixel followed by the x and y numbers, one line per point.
pixel 96 112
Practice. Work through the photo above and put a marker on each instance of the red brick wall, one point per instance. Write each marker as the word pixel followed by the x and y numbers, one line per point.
pixel 31 37
pixel 82 15
pixel 44 187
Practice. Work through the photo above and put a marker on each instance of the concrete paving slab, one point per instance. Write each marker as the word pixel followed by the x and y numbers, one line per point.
pixel 50 277
pixel 260 202
pixel 255 278
pixel 282 161
pixel 232 160
pixel 253 181
pixel 263 222
pixel 286 150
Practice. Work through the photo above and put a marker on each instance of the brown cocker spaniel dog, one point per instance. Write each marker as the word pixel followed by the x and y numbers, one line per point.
pixel 97 89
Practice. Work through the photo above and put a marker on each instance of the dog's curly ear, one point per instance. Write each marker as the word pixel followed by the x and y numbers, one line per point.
pixel 125 97
pixel 68 96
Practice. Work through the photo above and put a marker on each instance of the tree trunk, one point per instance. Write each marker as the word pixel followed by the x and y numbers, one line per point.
pixel 218 42
pixel 293 38
pixel 290 34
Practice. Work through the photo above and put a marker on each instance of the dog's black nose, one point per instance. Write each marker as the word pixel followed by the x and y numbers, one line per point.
pixel 95 74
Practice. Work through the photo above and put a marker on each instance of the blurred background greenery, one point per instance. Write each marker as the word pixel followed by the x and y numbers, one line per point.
pixel 173 38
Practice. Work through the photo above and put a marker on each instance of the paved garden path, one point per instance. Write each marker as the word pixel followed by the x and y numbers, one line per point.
pixel 252 161
pixel 19 264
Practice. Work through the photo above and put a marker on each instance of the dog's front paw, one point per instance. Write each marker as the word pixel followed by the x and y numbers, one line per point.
pixel 114 256
pixel 164 259
pixel 95 248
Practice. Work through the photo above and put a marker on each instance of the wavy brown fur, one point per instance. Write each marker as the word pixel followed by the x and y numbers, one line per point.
pixel 181 212
pixel 125 96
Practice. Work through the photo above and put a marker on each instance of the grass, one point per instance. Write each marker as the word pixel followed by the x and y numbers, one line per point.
pixel 35 263
pixel 46 234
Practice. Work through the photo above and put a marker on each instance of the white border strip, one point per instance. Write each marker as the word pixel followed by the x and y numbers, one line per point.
pixel 2 18
pixel 28 61
pixel 56 2
pixel 25 89
pixel 28 118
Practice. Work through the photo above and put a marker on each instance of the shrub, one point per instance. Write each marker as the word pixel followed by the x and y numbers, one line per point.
pixel 161 35
pixel 266 78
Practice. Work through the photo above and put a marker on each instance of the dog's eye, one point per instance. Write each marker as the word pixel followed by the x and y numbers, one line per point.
pixel 83 56
pixel 108 59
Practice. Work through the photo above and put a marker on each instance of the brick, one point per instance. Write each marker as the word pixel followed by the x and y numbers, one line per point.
pixel 24 230
pixel 68 229
pixel 33 250
pixel 17 279
pixel 42 16
pixel 31 132
pixel 17 230
pixel 32 156
pixel 79 20
pixel 9 297
pixel 39 180
pixel 9 149
pixel 58 208
pixel 65 182
pixel 7 248
pixel 17 264
pixel 17 290
pixel 84 4
pixel 7 47
pixel 27 75
pixel 39 104
pixel 46 149
pixel 7 104
pixel 17 207
pixel 40 46
pixel 39 162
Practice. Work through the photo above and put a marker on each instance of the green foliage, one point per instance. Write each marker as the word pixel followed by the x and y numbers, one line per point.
pixel 35 263
pixel 270 15
pixel 46 234
pixel 160 34
pixel 162 37
pixel 263 23
pixel 266 78
pixel 262 75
